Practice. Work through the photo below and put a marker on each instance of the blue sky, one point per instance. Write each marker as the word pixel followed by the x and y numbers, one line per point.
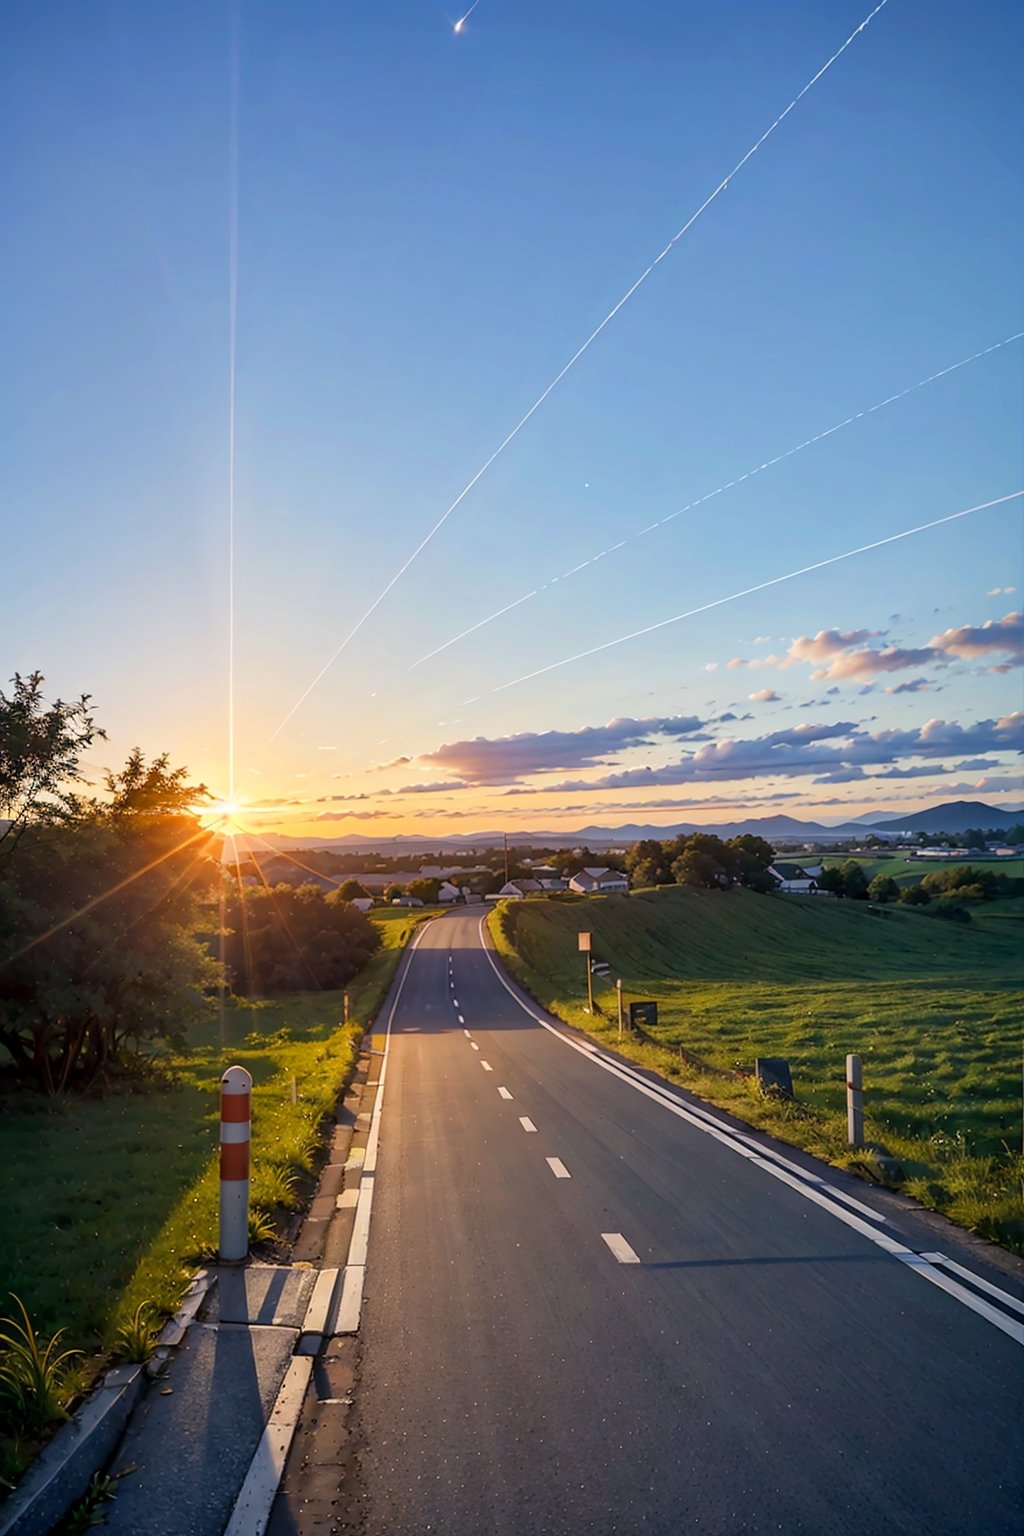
pixel 430 224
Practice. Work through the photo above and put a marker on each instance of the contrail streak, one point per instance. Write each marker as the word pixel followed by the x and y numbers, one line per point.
pixel 609 317
pixel 760 586
pixel 232 359
pixel 819 437
pixel 463 19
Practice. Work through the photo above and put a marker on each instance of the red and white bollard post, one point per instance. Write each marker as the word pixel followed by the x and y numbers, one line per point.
pixel 235 1120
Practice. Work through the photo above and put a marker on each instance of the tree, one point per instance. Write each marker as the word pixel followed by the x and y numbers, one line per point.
pixel 646 863
pixel 393 892
pixel 753 858
pixel 101 919
pixel 40 751
pixel 883 888
pixel 294 939
pixel 425 888
pixel 694 867
pixel 914 896
pixel 831 879
pixel 351 890
pixel 855 881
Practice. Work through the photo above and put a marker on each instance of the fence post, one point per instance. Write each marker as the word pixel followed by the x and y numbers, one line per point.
pixel 854 1103
pixel 618 994
pixel 235 1122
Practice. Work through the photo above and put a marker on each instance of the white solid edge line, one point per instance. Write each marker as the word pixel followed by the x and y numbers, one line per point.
pixel 621 1249
pixel 913 1261
pixel 504 1093
pixel 526 1123
pixel 558 1168
pixel 984 1285
pixel 252 1507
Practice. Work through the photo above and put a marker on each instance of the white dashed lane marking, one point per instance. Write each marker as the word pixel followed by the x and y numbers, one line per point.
pixel 504 1093
pixel 621 1249
pixel 487 1066
pixel 474 1045
pixel 526 1123
pixel 558 1168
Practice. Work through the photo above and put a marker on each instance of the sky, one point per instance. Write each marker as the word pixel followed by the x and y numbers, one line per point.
pixel 278 282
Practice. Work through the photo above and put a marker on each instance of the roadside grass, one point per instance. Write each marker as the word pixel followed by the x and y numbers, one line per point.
pixel 108 1203
pixel 935 1014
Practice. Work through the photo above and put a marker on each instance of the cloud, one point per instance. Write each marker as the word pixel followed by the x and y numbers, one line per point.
pixel 915 685
pixel 439 786
pixel 504 759
pixel 351 815
pixel 1001 592
pixel 996 637
pixel 765 696
pixel 813 750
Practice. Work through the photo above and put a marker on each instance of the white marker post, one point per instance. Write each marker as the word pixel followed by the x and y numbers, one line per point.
pixel 584 939
pixel 618 994
pixel 854 1102
pixel 235 1132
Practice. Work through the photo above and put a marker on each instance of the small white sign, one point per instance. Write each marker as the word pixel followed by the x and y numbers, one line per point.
pixel 584 941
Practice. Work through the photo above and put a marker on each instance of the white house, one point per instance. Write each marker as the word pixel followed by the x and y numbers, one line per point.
pixel 517 889
pixel 598 882
pixel 362 903
pixel 448 892
pixel 794 879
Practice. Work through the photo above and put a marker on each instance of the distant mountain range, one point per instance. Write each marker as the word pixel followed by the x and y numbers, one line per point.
pixel 953 817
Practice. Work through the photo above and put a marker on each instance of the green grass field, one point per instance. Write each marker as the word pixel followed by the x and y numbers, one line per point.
pixel 909 871
pixel 109 1202
pixel 934 1010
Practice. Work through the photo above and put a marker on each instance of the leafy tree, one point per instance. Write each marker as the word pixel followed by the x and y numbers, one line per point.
pixel 855 881
pixel 41 747
pixel 883 888
pixel 914 896
pixel 831 879
pixel 393 892
pixel 752 858
pixel 694 867
pixel 351 890
pixel 425 888
pixel 101 920
pixel 646 863
pixel 293 939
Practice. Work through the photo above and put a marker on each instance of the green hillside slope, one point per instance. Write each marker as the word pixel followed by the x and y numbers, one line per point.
pixel 934 1009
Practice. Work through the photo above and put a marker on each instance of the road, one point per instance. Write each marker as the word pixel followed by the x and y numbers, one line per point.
pixel 586 1313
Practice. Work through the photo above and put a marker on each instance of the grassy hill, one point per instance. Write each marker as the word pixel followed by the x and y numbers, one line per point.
pixel 934 1010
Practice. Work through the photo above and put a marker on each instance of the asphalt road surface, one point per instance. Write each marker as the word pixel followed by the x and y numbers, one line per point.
pixel 586 1313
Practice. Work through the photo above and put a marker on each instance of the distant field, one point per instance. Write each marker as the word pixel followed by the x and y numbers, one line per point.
pixel 909 871
pixel 934 1009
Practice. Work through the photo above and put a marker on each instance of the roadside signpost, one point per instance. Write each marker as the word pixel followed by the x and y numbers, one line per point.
pixel 584 939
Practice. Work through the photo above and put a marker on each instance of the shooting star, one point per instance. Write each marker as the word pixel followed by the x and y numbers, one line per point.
pixel 586 345
pixel 819 437
pixel 463 19
pixel 761 586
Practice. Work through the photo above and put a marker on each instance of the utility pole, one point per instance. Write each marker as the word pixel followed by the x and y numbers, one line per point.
pixel 505 839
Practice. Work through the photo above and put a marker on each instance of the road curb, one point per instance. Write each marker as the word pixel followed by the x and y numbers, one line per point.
pixel 80 1449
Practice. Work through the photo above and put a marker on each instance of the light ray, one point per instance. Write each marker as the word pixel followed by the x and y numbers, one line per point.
pixel 760 586
pixel 113 890
pixel 609 317
pixel 729 485
pixel 232 369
